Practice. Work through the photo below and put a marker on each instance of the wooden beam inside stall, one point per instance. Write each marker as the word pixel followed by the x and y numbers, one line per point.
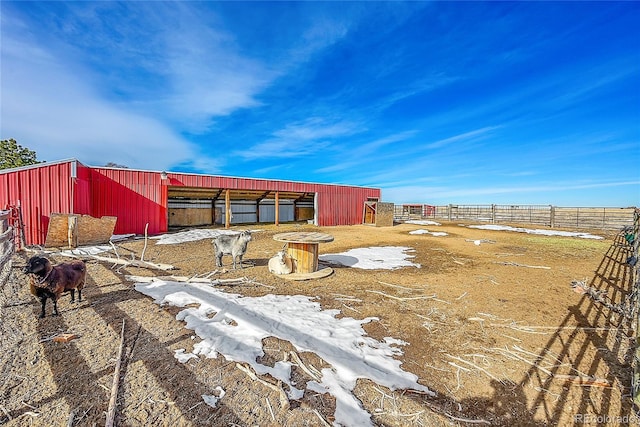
pixel 227 208
pixel 213 205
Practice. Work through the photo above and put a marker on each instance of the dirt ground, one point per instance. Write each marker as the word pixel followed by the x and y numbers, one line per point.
pixel 502 340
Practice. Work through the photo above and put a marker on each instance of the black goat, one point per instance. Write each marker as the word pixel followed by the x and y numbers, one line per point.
pixel 50 281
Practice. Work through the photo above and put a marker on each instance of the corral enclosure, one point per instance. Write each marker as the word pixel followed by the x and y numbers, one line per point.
pixel 489 321
pixel 608 218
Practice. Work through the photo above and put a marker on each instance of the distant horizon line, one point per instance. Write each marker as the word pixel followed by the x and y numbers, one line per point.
pixel 533 205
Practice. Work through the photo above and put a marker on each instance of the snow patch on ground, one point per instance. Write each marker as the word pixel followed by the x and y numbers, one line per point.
pixel 373 258
pixel 212 400
pixel 433 233
pixel 422 222
pixel 190 236
pixel 182 356
pixel 537 231
pixel 234 326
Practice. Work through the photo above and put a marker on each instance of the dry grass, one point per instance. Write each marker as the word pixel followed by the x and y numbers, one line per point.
pixel 494 340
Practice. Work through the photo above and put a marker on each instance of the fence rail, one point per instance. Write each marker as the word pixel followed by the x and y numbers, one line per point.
pixel 7 246
pixel 544 215
pixel 632 236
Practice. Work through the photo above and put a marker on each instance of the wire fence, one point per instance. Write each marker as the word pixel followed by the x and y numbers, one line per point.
pixel 622 261
pixel 544 215
pixel 7 247
pixel 632 236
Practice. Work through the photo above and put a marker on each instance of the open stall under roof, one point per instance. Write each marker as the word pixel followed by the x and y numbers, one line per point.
pixel 176 192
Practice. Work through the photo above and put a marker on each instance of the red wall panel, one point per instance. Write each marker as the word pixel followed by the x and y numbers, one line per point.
pixel 135 197
pixel 40 190
pixel 82 191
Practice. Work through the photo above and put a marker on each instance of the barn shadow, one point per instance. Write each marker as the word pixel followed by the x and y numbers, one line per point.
pixel 79 385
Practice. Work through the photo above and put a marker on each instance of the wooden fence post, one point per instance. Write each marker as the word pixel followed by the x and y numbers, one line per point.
pixel 23 239
pixel 552 216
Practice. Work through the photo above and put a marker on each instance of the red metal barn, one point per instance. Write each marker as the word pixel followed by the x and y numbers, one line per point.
pixel 162 199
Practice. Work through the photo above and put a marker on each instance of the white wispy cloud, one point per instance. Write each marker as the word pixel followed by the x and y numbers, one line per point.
pixel 322 33
pixel 57 102
pixel 301 138
pixel 474 134
pixel 48 109
pixel 207 75
pixel 363 153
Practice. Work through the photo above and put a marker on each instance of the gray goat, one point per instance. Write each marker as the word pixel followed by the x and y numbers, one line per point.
pixel 235 245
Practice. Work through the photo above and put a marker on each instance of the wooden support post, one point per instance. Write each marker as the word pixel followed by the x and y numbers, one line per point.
pixel 493 214
pixel 277 208
pixel 227 208
pixel 552 214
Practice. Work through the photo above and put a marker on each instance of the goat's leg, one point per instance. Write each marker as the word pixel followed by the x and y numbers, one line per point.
pixel 73 295
pixel 240 258
pixel 219 260
pixel 79 294
pixel 55 306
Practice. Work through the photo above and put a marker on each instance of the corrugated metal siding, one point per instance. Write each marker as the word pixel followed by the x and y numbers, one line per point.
pixel 82 191
pixel 141 197
pixel 242 211
pixel 343 205
pixel 135 197
pixel 286 211
pixel 41 191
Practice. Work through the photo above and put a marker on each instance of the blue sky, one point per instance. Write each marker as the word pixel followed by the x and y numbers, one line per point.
pixel 433 102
